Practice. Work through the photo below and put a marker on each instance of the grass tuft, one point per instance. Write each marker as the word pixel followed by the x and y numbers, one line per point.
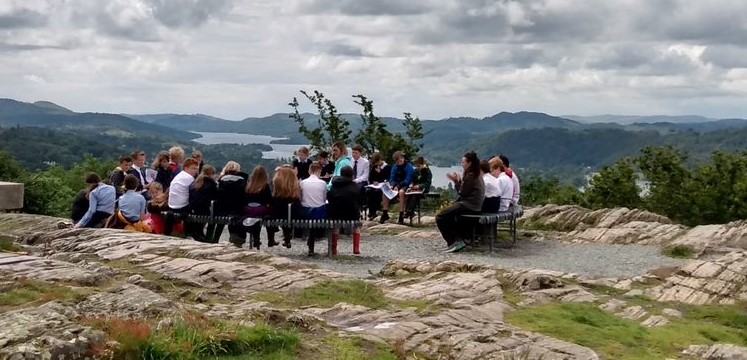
pixel 8 244
pixel 613 337
pixel 195 337
pixel 354 348
pixel 34 292
pixel 679 252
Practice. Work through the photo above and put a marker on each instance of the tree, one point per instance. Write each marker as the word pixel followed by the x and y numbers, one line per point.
pixel 374 135
pixel 615 186
pixel 331 127
pixel 669 180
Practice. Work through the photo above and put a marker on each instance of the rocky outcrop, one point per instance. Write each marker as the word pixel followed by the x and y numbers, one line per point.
pixel 626 226
pixel 717 352
pixel 719 281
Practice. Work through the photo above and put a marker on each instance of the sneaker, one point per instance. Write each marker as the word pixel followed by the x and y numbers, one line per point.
pixel 457 247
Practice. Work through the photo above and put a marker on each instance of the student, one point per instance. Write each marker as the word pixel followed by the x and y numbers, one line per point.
pixel 259 199
pixel 101 198
pixel 360 167
pixel 179 198
pixel 379 173
pixel 302 163
pixel 492 202
pixel 421 182
pixel 132 207
pixel 343 200
pixel 341 158
pixel 328 167
pixel 286 196
pixel 117 176
pixel 202 192
pixel 505 185
pixel 514 180
pixel 176 155
pixel 80 206
pixel 197 155
pixel 163 173
pixel 138 169
pixel 159 201
pixel 231 201
pixel 471 189
pixel 313 200
pixel 400 179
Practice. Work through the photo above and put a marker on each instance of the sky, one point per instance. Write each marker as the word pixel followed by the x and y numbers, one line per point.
pixel 433 58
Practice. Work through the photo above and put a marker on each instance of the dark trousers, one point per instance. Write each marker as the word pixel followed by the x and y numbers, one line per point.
pixel 374 200
pixel 452 228
pixel 97 219
pixel 413 201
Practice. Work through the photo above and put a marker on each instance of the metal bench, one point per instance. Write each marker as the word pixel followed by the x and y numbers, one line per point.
pixel 419 206
pixel 328 225
pixel 490 221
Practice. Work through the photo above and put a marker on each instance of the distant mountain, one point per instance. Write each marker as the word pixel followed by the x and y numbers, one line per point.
pixel 700 127
pixel 49 115
pixel 628 120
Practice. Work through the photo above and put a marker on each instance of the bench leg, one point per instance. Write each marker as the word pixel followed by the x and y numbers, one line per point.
pixel 513 230
pixel 356 242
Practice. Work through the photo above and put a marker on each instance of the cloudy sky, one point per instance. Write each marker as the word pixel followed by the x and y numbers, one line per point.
pixel 434 58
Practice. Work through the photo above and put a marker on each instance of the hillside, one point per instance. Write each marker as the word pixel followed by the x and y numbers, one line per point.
pixel 48 115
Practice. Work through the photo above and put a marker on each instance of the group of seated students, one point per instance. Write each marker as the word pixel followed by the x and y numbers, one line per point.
pixel 487 186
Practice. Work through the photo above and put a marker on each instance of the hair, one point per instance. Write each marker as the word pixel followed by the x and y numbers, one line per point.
pixel 497 163
pixel 176 153
pixel 156 186
pixel 231 167
pixel 285 185
pixel 257 180
pixel 341 146
pixel 397 155
pixel 197 154
pixel 474 163
pixel 131 182
pixel 376 157
pixel 347 172
pixel 208 171
pixel 358 148
pixel 504 159
pixel 485 167
pixel 124 159
pixel 323 154
pixel 163 155
pixel 137 154
pixel 303 150
pixel 419 161
pixel 190 162
pixel 314 168
pixel 93 178
pixel 161 200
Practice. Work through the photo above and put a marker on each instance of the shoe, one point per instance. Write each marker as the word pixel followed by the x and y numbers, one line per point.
pixel 238 244
pixel 271 240
pixel 457 247
pixel 312 254
pixel 401 219
pixel 287 243
pixel 384 218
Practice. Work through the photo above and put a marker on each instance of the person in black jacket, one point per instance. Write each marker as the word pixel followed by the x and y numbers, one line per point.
pixel 471 189
pixel 80 206
pixel 421 185
pixel 286 197
pixel 231 201
pixel 117 176
pixel 161 166
pixel 379 173
pixel 343 200
pixel 258 201
pixel 201 193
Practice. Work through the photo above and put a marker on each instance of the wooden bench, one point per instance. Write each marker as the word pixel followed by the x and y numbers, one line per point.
pixel 490 222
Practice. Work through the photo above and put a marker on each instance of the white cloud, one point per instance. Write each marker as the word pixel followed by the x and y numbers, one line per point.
pixel 433 58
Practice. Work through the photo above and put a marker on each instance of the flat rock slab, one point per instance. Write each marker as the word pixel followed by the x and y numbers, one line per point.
pixel 128 302
pixel 33 267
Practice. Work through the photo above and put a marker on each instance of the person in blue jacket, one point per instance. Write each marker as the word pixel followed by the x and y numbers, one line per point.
pixel 400 179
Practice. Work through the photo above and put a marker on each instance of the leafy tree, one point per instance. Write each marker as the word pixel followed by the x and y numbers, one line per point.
pixel 669 179
pixel 10 170
pixel 536 190
pixel 331 127
pixel 374 135
pixel 718 189
pixel 615 186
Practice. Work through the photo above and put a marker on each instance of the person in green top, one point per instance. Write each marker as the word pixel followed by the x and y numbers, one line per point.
pixel 341 158
pixel 421 184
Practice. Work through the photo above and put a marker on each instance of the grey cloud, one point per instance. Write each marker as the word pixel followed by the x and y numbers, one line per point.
pixel 9 47
pixel 22 18
pixel 188 13
pixel 725 56
pixel 362 7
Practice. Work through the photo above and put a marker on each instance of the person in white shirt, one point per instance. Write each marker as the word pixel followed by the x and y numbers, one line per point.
pixel 314 201
pixel 179 196
pixel 504 183
pixel 360 167
pixel 514 179
pixel 492 201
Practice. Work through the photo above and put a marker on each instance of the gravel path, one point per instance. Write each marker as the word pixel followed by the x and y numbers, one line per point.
pixel 598 260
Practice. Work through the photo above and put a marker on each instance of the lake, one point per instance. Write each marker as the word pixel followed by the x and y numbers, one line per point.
pixel 286 150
